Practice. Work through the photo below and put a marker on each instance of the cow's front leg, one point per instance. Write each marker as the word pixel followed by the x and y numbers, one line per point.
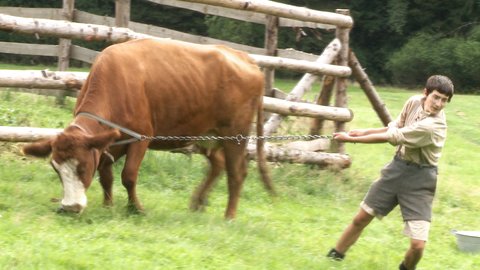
pixel 106 181
pixel 216 160
pixel 134 157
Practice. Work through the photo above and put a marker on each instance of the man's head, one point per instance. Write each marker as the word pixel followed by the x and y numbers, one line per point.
pixel 440 83
pixel 438 91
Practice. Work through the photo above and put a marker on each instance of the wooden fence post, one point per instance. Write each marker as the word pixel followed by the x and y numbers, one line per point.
pixel 122 13
pixel 271 42
pixel 342 33
pixel 64 47
pixel 65 44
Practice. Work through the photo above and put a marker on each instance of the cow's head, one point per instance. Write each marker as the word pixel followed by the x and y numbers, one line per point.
pixel 75 157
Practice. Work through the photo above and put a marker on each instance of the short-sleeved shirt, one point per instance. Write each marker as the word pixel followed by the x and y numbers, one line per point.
pixel 418 135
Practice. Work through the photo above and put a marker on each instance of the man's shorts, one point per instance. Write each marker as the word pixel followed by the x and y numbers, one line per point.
pixel 410 185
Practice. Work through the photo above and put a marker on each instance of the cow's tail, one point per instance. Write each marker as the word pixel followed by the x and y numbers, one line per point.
pixel 261 158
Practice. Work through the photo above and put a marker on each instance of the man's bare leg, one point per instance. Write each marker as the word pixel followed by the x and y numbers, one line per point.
pixel 351 234
pixel 413 254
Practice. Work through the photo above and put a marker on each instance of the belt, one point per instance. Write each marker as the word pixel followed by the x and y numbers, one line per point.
pixel 411 163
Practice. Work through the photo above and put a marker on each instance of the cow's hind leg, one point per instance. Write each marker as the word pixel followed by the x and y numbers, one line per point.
pixel 216 161
pixel 135 154
pixel 236 166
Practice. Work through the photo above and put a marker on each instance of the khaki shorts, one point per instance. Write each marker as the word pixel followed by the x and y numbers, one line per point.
pixel 408 185
pixel 414 229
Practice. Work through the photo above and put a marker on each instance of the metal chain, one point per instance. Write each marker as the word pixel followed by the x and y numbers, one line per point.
pixel 238 138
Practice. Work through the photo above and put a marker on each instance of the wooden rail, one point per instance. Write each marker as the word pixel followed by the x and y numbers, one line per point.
pixel 64 29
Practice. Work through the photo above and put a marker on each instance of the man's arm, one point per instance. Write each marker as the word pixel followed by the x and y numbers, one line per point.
pixel 366 131
pixel 373 135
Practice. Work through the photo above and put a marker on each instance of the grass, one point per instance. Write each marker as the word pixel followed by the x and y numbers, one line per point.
pixel 293 231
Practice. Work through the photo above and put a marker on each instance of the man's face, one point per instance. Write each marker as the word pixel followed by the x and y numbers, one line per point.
pixel 435 102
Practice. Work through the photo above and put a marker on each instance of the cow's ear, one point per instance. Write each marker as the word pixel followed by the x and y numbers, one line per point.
pixel 103 139
pixel 38 149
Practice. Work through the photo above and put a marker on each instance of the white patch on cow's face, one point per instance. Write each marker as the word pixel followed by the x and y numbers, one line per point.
pixel 74 198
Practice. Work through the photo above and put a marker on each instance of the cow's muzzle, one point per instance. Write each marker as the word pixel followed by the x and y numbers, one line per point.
pixel 74 208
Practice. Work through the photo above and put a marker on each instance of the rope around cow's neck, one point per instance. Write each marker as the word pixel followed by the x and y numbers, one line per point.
pixel 238 138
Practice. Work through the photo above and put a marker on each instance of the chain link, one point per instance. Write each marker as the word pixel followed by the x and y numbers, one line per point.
pixel 238 138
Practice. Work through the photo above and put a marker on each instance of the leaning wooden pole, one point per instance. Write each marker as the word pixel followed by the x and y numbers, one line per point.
pixel 323 100
pixel 304 85
pixel 91 32
pixel 367 86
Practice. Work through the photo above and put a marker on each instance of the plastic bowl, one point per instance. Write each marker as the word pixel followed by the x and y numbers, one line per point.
pixel 468 241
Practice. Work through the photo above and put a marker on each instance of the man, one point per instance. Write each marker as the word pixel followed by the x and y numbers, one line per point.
pixel 409 180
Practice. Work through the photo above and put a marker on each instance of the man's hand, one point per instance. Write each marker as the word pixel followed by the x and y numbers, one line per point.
pixel 357 132
pixel 342 136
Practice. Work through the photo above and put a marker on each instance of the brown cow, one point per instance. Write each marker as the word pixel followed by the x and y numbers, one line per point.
pixel 158 87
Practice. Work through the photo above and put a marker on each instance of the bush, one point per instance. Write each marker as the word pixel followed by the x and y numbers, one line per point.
pixel 425 54
pixel 467 57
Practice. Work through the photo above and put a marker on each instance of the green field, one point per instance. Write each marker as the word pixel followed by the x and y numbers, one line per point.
pixel 293 231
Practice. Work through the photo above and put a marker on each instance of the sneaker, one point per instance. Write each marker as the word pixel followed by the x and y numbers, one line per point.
pixel 334 254
pixel 402 267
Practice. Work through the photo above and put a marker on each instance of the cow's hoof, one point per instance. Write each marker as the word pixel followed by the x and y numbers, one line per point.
pixel 108 204
pixel 198 205
pixel 135 210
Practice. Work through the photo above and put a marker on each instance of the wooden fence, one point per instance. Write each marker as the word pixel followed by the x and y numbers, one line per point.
pixel 87 55
pixel 68 23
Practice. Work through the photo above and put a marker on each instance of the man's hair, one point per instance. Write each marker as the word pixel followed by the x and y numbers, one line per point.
pixel 440 83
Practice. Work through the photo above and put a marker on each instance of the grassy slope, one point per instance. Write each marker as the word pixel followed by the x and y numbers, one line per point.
pixel 293 231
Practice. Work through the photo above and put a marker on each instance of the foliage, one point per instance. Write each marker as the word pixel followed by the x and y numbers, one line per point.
pixel 183 20
pixel 235 31
pixel 427 54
